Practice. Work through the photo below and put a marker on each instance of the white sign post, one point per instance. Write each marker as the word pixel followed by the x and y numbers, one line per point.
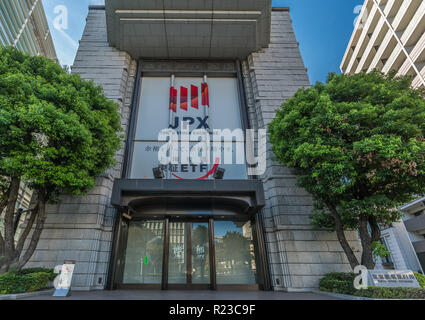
pixel 63 281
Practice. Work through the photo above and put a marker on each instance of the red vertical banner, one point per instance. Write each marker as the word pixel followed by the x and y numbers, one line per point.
pixel 173 99
pixel 205 95
pixel 183 98
pixel 194 95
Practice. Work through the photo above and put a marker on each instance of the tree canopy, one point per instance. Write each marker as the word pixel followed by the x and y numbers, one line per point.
pixel 58 132
pixel 358 145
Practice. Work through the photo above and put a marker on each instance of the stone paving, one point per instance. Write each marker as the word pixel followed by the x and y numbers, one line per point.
pixel 186 295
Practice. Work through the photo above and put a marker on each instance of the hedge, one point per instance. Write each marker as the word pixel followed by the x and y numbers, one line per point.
pixel 343 283
pixel 421 279
pixel 13 283
pixel 391 293
pixel 338 282
pixel 50 272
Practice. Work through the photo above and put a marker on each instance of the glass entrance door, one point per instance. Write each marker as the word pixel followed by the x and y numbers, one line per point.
pixel 188 255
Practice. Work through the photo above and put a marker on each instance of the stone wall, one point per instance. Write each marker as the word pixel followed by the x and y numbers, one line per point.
pixel 298 255
pixel 80 228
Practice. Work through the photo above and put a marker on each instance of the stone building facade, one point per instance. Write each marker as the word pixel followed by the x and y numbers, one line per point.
pixel 84 228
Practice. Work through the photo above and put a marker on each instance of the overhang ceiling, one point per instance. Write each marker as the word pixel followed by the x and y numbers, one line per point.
pixel 216 29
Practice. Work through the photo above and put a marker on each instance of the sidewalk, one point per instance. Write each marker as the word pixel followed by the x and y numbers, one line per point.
pixel 186 295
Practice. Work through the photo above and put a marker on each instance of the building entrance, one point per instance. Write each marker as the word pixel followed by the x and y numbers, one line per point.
pixel 188 254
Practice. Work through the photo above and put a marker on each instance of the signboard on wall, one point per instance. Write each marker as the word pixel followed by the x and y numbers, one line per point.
pixel 392 278
pixel 154 107
pixel 202 105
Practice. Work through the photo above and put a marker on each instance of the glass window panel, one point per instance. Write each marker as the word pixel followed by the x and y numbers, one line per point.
pixel 143 256
pixel 235 260
pixel 177 272
pixel 200 253
pixel 153 115
pixel 421 257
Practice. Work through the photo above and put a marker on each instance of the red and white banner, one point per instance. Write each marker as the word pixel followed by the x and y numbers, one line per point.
pixel 194 93
pixel 183 98
pixel 173 99
pixel 194 97
pixel 205 94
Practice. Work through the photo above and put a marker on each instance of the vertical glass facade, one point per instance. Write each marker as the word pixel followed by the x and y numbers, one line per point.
pixel 235 261
pixel 200 253
pixel 144 253
pixel 189 256
pixel 421 257
pixel 196 241
pixel 23 24
pixel 177 254
pixel 154 115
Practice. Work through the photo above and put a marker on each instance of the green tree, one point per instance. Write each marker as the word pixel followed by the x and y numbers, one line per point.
pixel 57 134
pixel 358 145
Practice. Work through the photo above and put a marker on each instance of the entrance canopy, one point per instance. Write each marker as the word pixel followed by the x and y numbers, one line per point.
pixel 245 197
pixel 189 28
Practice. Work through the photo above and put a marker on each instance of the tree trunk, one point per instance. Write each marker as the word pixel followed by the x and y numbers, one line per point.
pixel 376 231
pixel 367 254
pixel 9 233
pixel 339 228
pixel 1 245
pixel 26 232
pixel 41 218
pixel 3 199
pixel 3 204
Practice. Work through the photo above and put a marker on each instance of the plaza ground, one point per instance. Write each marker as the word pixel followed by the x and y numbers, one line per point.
pixel 187 295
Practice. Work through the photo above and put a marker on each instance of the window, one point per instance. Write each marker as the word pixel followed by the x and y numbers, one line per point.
pixel 154 115
pixel 235 261
pixel 143 256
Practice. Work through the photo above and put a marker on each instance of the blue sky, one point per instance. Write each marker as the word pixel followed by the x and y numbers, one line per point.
pixel 323 29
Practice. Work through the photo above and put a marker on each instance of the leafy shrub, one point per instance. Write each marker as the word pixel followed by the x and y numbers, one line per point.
pixel 39 281
pixel 343 283
pixel 391 293
pixel 338 282
pixel 421 279
pixel 12 283
pixel 50 272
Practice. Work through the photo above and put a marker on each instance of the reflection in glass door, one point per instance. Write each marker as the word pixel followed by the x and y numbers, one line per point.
pixel 177 267
pixel 234 252
pixel 143 255
pixel 188 255
pixel 200 253
pixel 182 255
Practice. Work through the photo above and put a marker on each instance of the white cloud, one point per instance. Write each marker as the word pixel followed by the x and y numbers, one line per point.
pixel 66 40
